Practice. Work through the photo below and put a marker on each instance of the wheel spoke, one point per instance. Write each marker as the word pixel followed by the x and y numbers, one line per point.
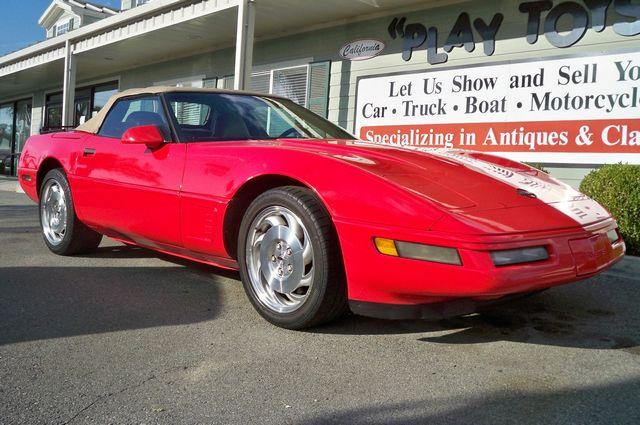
pixel 306 281
pixel 258 242
pixel 297 298
pixel 307 252
pixel 269 277
pixel 275 220
pixel 296 228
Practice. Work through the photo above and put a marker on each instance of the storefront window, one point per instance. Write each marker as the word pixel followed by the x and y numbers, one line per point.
pixel 23 124
pixel 307 85
pixel 15 129
pixel 6 128
pixel 82 103
pixel 261 82
pixel 228 82
pixel 53 116
pixel 291 83
pixel 288 82
pixel 88 101
pixel 101 95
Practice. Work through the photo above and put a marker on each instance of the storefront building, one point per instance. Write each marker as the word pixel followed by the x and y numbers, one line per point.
pixel 550 82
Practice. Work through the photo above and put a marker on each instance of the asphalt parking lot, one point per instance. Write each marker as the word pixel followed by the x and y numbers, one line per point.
pixel 129 336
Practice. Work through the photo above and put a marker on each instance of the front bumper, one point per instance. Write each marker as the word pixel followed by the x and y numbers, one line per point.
pixel 428 311
pixel 574 254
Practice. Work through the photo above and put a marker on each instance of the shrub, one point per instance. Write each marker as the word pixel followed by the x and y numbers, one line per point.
pixel 617 188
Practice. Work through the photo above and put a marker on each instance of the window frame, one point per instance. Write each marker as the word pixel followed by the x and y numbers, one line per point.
pixel 167 116
pixel 67 25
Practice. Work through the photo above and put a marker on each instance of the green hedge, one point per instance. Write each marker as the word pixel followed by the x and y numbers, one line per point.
pixel 617 188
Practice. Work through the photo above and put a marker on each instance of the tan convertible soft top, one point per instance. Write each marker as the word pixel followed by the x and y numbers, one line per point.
pixel 93 125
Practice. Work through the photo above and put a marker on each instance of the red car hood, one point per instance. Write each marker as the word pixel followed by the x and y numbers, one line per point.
pixel 472 185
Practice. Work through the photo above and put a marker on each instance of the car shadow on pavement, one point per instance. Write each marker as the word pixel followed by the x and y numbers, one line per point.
pixel 616 403
pixel 595 314
pixel 122 251
pixel 52 302
pixel 599 313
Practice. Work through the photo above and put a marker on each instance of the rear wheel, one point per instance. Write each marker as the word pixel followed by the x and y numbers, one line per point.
pixel 290 261
pixel 62 231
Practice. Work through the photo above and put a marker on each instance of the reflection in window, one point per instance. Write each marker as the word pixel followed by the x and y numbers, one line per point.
pixel 129 113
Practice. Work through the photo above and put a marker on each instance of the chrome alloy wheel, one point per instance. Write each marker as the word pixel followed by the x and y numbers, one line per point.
pixel 280 259
pixel 53 212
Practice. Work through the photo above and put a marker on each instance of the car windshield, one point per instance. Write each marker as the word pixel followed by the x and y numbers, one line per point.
pixel 223 116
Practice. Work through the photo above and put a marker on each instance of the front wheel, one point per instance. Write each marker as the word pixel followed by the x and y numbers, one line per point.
pixel 290 260
pixel 62 231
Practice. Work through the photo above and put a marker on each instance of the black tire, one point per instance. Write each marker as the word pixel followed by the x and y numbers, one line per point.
pixel 327 299
pixel 78 238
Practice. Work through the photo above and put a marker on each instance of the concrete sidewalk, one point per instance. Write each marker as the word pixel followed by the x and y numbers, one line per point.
pixel 9 184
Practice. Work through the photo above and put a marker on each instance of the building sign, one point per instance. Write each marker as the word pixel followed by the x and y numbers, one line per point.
pixel 539 17
pixel 575 110
pixel 361 49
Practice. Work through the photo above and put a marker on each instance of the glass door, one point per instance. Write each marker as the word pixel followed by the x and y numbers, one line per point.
pixel 22 130
pixel 6 137
pixel 15 129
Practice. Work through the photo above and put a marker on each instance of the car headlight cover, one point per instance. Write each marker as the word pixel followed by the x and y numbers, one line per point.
pixel 613 236
pixel 519 256
pixel 415 251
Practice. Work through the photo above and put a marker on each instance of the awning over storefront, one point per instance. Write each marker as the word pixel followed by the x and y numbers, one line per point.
pixel 170 29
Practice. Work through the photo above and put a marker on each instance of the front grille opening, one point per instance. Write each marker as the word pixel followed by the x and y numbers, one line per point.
pixel 511 257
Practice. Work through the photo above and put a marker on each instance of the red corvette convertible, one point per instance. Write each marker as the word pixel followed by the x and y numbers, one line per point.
pixel 315 221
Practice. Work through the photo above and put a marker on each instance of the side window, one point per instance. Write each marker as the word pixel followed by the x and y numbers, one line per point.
pixel 134 112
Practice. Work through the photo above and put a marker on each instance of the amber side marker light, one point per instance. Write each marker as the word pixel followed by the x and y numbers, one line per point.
pixel 416 251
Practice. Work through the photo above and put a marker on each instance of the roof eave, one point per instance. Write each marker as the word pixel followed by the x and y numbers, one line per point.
pixel 112 20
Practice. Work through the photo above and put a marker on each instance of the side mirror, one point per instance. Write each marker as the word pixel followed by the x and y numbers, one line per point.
pixel 149 135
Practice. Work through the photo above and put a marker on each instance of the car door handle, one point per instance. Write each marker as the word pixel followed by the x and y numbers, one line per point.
pixel 88 152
